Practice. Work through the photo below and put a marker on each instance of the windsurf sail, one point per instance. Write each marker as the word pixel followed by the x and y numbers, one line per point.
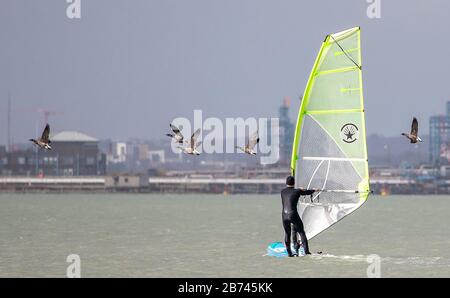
pixel 329 149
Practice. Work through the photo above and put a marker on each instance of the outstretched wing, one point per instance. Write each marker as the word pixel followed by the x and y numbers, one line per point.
pixel 176 130
pixel 415 127
pixel 253 140
pixel 194 138
pixel 45 134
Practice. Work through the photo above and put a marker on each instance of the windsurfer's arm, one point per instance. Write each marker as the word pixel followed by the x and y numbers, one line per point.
pixel 306 192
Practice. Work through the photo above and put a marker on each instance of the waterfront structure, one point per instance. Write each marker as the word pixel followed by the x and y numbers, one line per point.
pixel 73 154
pixel 126 182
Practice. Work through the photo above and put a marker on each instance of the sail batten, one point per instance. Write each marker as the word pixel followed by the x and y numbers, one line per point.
pixel 329 150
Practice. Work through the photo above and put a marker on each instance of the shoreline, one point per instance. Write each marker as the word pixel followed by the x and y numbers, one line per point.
pixel 181 185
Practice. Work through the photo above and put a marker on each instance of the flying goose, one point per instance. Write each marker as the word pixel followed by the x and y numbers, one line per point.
pixel 43 141
pixel 192 145
pixel 251 143
pixel 177 135
pixel 413 137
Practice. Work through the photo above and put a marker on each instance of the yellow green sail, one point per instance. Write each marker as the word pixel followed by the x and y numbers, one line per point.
pixel 329 149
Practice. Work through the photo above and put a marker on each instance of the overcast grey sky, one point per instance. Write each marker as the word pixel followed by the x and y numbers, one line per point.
pixel 127 68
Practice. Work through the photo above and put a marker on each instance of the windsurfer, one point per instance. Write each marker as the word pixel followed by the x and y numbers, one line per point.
pixel 289 199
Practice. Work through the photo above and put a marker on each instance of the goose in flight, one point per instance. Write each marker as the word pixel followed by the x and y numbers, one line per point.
pixel 192 144
pixel 177 135
pixel 251 143
pixel 412 136
pixel 44 141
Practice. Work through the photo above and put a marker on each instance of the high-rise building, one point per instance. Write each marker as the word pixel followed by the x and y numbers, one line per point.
pixel 286 132
pixel 440 138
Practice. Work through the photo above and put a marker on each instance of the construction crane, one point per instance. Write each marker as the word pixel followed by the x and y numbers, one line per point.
pixel 47 113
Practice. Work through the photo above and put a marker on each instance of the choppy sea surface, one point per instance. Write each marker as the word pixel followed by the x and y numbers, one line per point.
pixel 150 235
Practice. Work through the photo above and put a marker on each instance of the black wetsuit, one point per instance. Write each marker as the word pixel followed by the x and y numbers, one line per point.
pixel 289 198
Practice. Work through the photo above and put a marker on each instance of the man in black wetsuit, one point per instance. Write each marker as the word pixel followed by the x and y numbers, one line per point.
pixel 289 198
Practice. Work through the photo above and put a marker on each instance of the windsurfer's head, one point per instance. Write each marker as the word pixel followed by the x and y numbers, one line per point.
pixel 290 181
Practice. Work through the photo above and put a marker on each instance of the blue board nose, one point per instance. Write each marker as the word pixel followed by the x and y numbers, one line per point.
pixel 277 249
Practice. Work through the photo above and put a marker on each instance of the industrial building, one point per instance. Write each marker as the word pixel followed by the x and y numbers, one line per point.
pixel 73 154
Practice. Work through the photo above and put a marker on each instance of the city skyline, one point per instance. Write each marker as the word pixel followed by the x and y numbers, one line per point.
pixel 382 150
pixel 124 71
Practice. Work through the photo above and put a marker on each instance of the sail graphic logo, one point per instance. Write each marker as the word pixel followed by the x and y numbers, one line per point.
pixel 349 133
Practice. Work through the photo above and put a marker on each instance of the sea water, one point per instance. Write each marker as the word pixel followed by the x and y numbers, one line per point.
pixel 156 235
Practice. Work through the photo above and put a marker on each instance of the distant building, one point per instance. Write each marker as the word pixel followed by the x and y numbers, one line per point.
pixel 286 132
pixel 117 152
pixel 157 156
pixel 126 182
pixel 143 152
pixel 73 154
pixel 440 138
